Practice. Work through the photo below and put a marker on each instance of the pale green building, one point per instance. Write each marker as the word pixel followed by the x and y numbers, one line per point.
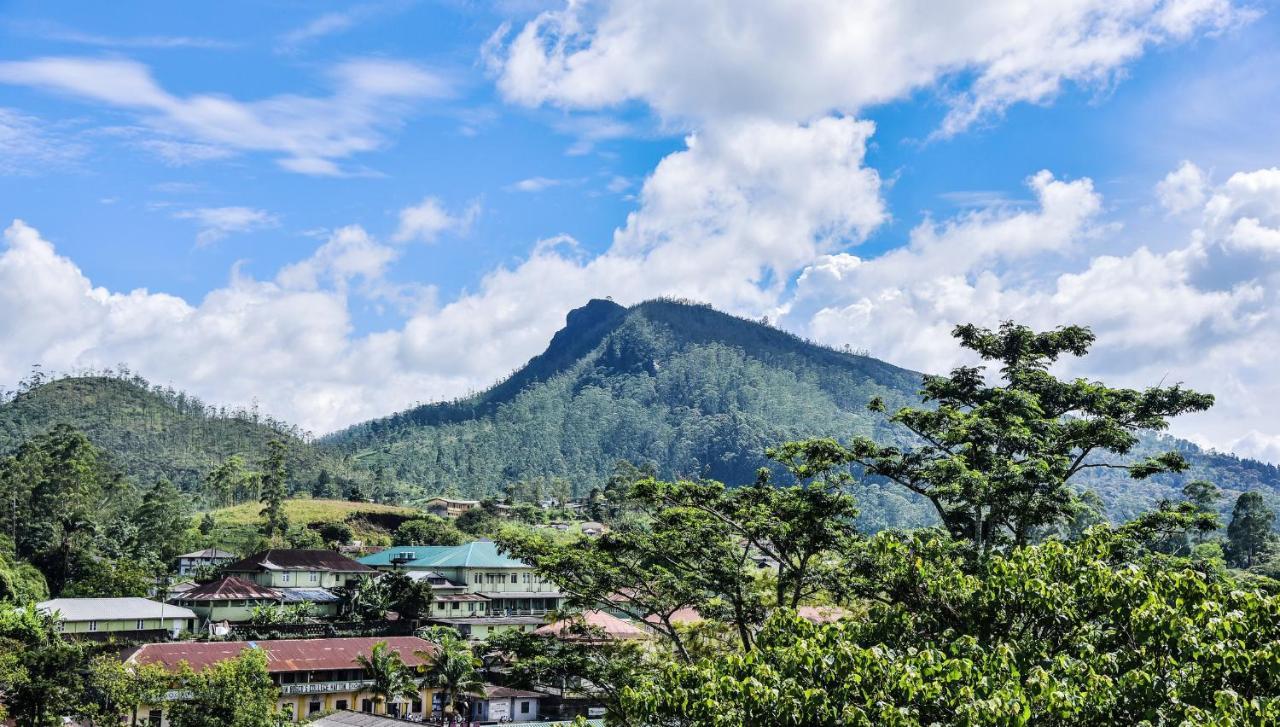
pixel 123 618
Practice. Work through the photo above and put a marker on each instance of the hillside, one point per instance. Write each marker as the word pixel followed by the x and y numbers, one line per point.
pixel 370 522
pixel 687 390
pixel 151 432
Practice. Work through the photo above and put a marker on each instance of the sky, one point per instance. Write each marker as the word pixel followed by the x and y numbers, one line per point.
pixel 334 211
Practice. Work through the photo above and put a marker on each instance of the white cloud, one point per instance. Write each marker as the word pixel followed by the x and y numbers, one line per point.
pixel 428 219
pixel 218 222
pixel 28 146
pixel 61 34
pixel 1182 189
pixel 311 134
pixel 536 184
pixel 783 60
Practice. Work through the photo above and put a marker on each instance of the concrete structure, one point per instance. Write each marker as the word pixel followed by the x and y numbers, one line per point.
pixel 189 562
pixel 510 586
pixel 313 675
pixel 445 507
pixel 290 568
pixel 506 704
pixel 126 618
pixel 228 599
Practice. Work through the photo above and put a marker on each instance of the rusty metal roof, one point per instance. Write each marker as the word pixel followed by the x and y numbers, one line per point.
pixel 283 655
pixel 299 560
pixel 599 624
pixel 231 588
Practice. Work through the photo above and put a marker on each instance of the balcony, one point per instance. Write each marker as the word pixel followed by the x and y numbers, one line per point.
pixel 324 687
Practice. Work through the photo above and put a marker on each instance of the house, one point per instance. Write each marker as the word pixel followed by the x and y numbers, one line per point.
pixel 511 587
pixel 504 704
pixel 293 568
pixel 227 599
pixel 313 675
pixel 129 618
pixel 189 562
pixel 445 507
pixel 593 627
pixel 476 589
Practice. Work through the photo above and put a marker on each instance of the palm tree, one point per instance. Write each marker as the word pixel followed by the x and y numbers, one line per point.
pixel 453 668
pixel 390 677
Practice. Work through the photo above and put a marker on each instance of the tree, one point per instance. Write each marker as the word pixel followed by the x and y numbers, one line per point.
pixel 453 668
pixel 119 690
pixel 224 484
pixel 1091 633
pixel 391 678
pixel 275 521
pixel 428 530
pixel 337 533
pixel 1204 496
pixel 207 524
pixel 40 678
pixel 995 461
pixel 163 521
pixel 478 521
pixel 233 693
pixel 1249 530
pixel 601 670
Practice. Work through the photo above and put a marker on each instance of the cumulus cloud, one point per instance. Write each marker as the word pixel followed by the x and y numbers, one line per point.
pixel 783 60
pixel 217 222
pixel 428 219
pixel 310 135
pixel 1204 313
pixel 1182 189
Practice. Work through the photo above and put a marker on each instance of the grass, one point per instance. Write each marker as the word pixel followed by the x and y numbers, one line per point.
pixel 236 527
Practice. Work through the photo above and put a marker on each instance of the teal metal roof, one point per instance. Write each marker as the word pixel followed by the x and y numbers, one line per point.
pixel 477 554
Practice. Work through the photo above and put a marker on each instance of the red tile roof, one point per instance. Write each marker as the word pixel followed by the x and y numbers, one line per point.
pixel 295 559
pixel 821 614
pixel 686 615
pixel 285 655
pixel 606 624
pixel 231 588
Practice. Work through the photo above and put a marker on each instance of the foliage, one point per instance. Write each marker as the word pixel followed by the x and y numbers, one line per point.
pixel 995 461
pixel 274 475
pixel 281 614
pixel 1091 633
pixel 386 669
pixel 20 582
pixel 39 670
pixel 428 530
pixel 453 669
pixel 154 433
pixel 1250 530
pixel 116 689
pixel 232 693
pixel 600 669
pixel 336 533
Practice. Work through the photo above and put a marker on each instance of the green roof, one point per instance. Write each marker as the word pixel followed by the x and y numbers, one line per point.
pixel 477 554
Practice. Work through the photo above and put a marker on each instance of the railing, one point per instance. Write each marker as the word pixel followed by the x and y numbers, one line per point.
pixel 324 687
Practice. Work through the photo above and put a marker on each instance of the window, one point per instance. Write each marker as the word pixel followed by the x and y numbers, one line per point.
pixel 456 605
pixel 141 624
pixel 524 708
pixel 526 577
pixel 314 706
pixel 340 704
pixel 154 717
pixel 314 577
pixel 366 705
pixel 286 577
pixel 93 625
pixel 478 578
pixel 416 706
pixel 513 578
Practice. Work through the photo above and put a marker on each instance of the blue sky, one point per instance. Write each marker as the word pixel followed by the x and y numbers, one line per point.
pixel 341 210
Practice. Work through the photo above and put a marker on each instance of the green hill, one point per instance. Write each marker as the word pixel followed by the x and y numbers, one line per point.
pixel 151 432
pixel 687 390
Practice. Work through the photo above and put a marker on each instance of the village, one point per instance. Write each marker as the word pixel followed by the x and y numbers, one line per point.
pixel 334 664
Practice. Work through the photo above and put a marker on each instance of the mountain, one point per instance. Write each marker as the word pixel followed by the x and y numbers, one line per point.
pixel 152 432
pixel 686 390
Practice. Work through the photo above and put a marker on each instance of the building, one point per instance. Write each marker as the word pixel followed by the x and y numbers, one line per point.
pixel 189 562
pixel 227 599
pixel 593 627
pixel 445 507
pixel 313 675
pixel 511 587
pixel 477 590
pixel 291 568
pixel 504 704
pixel 125 618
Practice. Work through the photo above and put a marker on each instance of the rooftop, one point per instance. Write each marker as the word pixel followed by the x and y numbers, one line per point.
pixel 112 609
pixel 286 655
pixel 309 595
pixel 476 554
pixel 493 691
pixel 231 588
pixel 598 624
pixel 299 560
pixel 211 553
